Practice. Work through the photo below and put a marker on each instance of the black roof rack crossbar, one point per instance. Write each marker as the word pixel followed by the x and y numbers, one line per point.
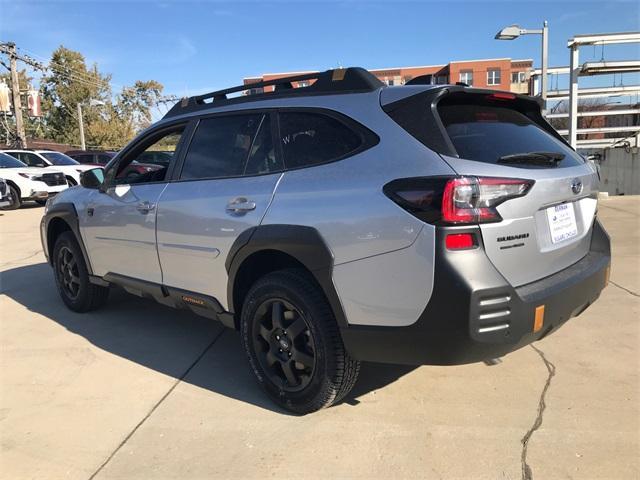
pixel 343 80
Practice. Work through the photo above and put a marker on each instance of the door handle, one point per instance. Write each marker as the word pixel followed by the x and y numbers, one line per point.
pixel 145 207
pixel 240 205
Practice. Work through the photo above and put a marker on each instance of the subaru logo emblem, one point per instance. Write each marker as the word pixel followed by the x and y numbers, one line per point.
pixel 576 186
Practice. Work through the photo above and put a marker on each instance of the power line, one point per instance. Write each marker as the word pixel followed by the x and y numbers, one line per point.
pixel 65 68
pixel 58 69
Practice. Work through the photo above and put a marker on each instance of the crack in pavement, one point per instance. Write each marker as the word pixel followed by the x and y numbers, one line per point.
pixel 631 292
pixel 157 404
pixel 527 473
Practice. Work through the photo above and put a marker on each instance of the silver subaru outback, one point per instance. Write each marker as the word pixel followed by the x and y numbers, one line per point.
pixel 341 222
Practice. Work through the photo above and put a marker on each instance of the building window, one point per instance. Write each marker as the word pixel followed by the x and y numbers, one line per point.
pixel 255 91
pixel 493 77
pixel 389 82
pixel 467 77
pixel 303 84
pixel 442 79
pixel 518 77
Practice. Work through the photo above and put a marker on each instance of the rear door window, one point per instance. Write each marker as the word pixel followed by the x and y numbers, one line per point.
pixel 489 132
pixel 310 139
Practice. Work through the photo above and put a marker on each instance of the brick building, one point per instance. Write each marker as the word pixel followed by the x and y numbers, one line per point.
pixel 497 73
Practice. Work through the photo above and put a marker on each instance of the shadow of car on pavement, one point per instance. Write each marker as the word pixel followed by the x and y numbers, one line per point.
pixel 166 340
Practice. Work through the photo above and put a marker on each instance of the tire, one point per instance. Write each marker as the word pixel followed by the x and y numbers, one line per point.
pixel 292 340
pixel 15 199
pixel 72 277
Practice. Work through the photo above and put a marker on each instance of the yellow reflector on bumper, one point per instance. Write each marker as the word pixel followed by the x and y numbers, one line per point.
pixel 539 319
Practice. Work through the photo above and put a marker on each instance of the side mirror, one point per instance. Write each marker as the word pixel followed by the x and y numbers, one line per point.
pixel 93 178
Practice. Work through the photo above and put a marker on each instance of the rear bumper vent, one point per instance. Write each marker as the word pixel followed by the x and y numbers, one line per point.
pixel 493 314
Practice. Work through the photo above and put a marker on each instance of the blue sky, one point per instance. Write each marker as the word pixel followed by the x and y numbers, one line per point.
pixel 195 46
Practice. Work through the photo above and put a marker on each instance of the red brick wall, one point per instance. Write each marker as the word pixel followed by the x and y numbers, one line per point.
pixel 453 69
pixel 480 69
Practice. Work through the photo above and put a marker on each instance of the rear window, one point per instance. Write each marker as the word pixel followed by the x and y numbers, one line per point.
pixel 488 133
pixel 311 139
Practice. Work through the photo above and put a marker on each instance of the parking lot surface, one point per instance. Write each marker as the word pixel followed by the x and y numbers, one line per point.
pixel 137 390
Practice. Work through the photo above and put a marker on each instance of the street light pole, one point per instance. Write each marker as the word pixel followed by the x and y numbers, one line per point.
pixel 81 126
pixel 514 31
pixel 545 65
pixel 92 103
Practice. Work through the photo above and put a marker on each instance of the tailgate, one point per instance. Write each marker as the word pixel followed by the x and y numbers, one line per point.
pixel 522 245
pixel 549 228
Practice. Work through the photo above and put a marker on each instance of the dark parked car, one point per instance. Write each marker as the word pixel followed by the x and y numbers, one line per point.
pixel 92 157
pixel 162 158
pixel 100 158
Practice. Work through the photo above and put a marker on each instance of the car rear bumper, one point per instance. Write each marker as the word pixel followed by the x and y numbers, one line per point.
pixel 474 314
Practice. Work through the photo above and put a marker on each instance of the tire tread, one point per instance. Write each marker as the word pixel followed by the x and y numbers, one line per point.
pixel 346 368
pixel 95 296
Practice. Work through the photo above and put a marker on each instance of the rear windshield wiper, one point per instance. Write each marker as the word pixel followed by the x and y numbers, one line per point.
pixel 533 158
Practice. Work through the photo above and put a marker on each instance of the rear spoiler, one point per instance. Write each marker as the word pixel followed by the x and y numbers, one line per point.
pixel 425 124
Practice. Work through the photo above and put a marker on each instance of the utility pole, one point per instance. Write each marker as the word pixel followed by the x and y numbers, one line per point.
pixel 15 93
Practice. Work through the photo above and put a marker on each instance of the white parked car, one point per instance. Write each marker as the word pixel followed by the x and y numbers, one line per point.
pixel 25 183
pixel 50 159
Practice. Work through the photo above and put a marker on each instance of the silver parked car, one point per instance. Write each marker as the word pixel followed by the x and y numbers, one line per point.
pixel 341 222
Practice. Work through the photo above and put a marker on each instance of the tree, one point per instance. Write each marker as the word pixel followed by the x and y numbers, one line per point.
pixel 135 103
pixel 584 105
pixel 68 84
pixel 111 125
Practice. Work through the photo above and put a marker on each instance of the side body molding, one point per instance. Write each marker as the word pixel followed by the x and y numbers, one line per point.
pixel 304 244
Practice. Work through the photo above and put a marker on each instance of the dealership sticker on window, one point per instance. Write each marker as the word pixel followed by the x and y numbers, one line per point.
pixel 562 222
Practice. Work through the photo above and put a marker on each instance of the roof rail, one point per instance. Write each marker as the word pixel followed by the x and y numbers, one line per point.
pixel 340 80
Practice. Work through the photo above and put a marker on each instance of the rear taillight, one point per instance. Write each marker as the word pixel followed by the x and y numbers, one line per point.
pixel 458 200
pixel 473 199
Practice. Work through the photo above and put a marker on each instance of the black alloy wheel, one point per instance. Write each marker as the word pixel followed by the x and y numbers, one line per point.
pixel 284 344
pixel 68 273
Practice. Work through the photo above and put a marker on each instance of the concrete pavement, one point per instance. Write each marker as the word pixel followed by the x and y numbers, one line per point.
pixel 137 390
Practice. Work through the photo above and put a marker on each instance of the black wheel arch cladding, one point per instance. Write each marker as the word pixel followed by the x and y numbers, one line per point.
pixel 302 243
pixel 66 212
